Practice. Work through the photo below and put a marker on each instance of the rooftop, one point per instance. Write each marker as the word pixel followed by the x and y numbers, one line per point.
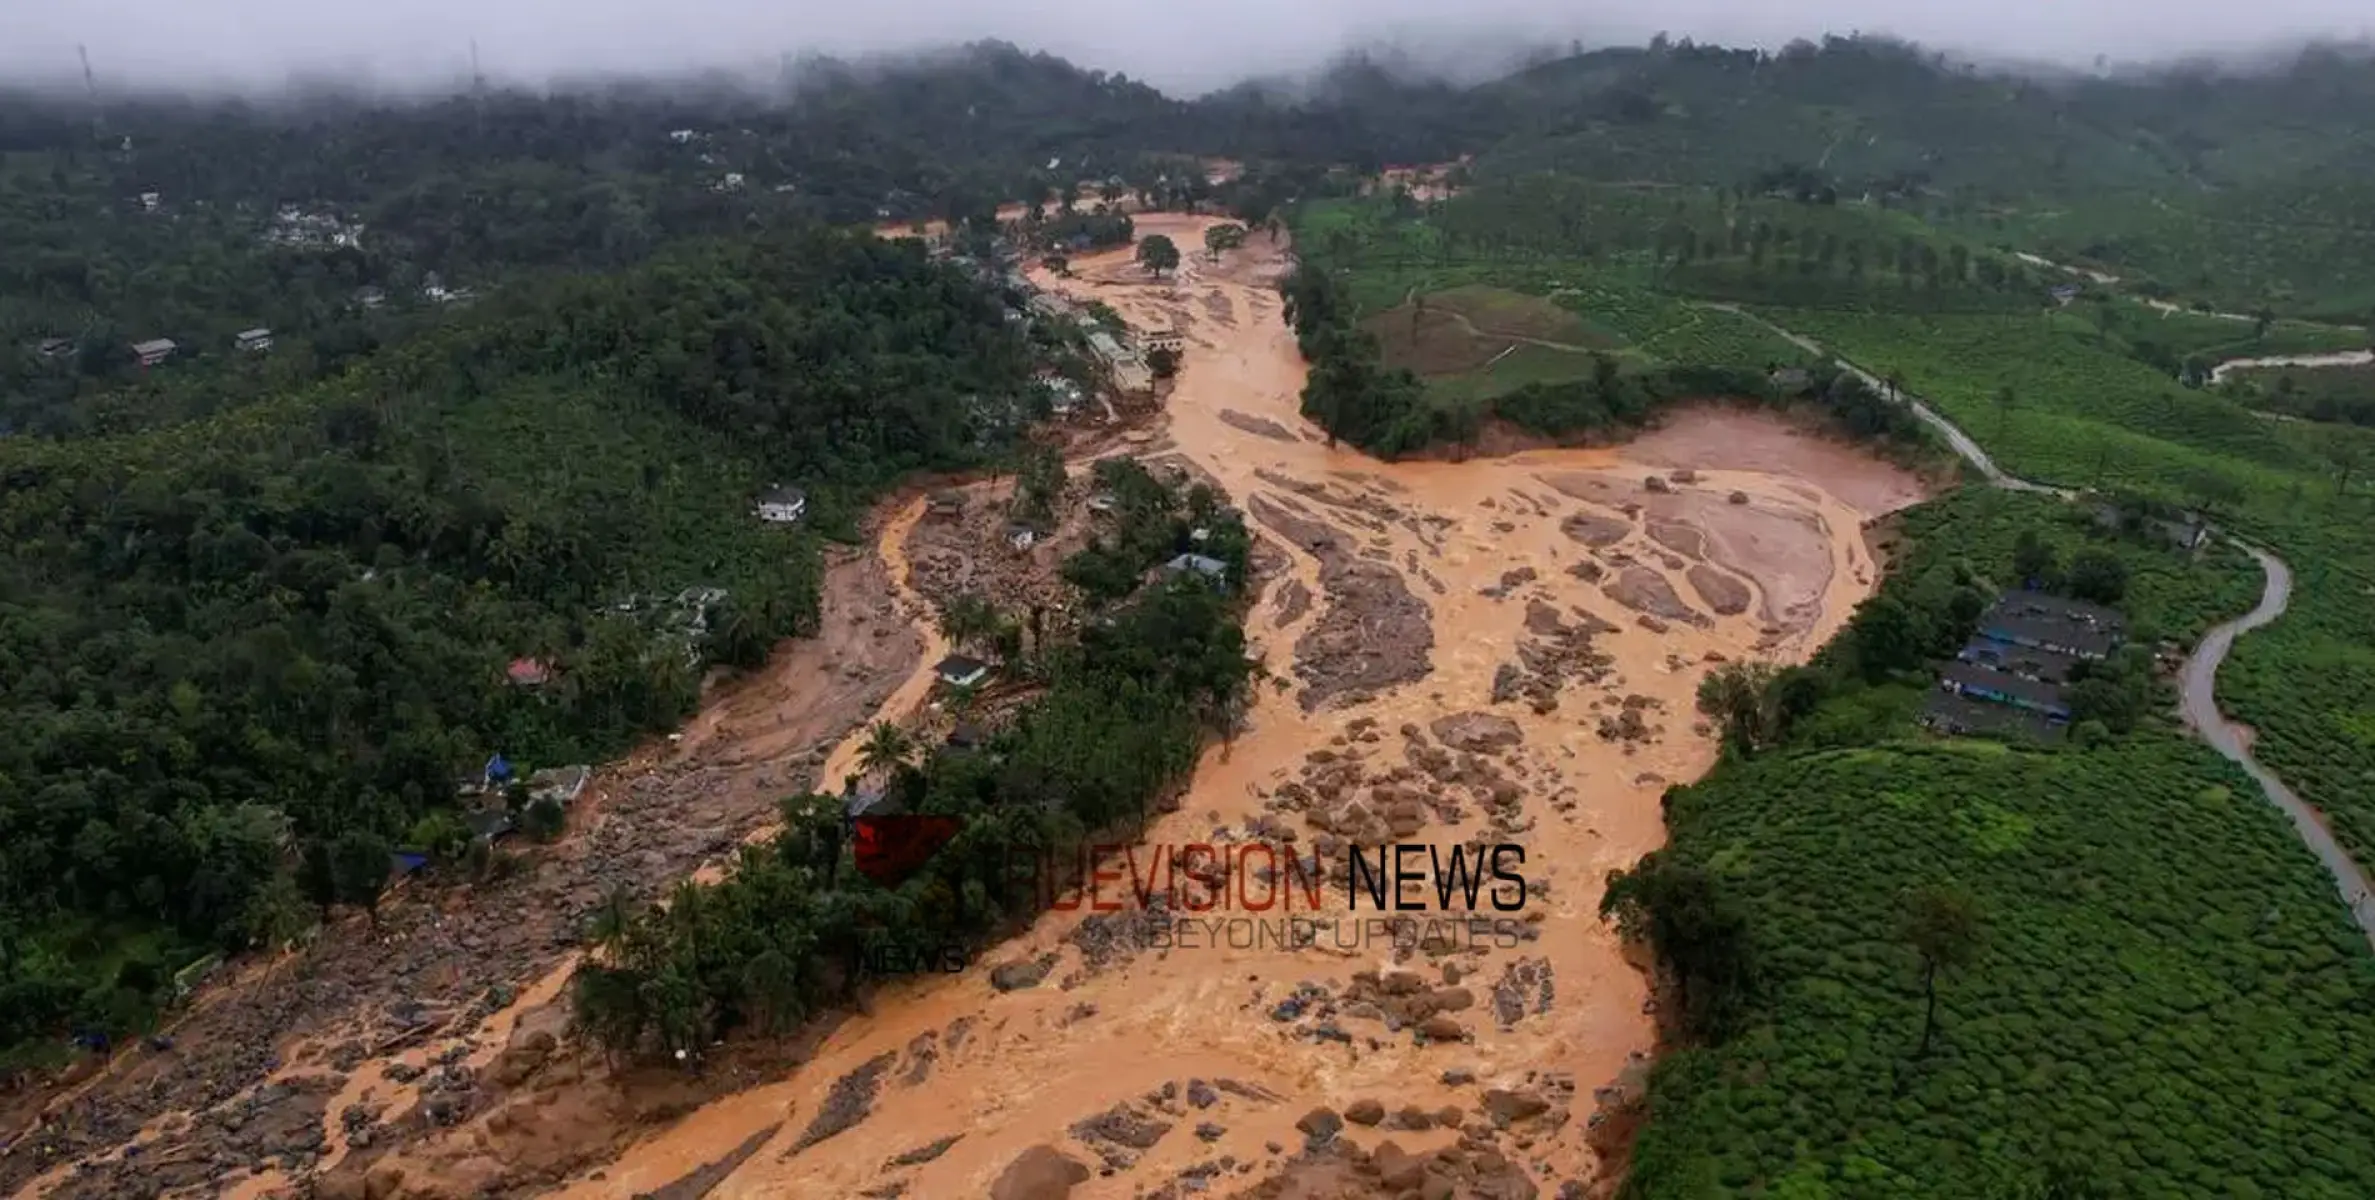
pixel 2088 629
pixel 1201 564
pixel 1973 677
pixel 2049 666
pixel 1949 713
pixel 957 666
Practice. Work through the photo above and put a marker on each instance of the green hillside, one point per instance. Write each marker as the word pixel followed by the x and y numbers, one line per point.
pixel 294 618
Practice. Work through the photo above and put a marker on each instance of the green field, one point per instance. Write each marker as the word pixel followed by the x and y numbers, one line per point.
pixel 2336 395
pixel 2166 999
pixel 2167 992
pixel 2082 415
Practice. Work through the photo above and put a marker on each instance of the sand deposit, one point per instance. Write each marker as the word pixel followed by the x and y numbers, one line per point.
pixel 1474 656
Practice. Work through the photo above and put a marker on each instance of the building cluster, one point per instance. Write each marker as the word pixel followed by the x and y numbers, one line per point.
pixel 2014 674
pixel 298 229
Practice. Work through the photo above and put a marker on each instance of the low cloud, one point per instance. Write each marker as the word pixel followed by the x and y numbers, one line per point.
pixel 1184 48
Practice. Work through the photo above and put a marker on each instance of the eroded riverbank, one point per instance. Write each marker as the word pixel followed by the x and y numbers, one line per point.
pixel 1491 651
pixel 1495 651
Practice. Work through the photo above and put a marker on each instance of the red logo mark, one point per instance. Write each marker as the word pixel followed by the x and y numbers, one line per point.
pixel 890 848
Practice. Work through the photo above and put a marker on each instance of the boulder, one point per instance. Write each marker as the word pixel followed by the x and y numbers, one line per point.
pixel 1507 1105
pixel 1039 1173
pixel 1321 1125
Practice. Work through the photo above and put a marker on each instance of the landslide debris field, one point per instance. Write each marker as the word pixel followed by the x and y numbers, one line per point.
pixel 1495 651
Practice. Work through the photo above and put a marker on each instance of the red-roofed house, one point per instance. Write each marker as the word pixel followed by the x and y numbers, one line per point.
pixel 529 672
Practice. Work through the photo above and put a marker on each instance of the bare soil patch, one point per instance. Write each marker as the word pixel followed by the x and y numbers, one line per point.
pixel 1721 437
pixel 1257 426
pixel 1372 634
pixel 1644 590
pixel 1596 530
pixel 1723 593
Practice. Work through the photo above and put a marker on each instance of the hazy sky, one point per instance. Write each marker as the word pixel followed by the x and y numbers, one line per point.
pixel 1182 47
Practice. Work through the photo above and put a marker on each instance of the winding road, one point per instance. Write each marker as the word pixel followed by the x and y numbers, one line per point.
pixel 2198 683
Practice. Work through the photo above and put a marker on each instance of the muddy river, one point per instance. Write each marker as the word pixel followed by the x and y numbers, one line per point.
pixel 1497 651
pixel 1168 1061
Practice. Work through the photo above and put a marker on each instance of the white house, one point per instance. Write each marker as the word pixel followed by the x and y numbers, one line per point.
pixel 253 340
pixel 1169 338
pixel 154 351
pixel 782 504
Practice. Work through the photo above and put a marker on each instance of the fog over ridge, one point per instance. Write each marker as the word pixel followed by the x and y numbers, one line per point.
pixel 1184 49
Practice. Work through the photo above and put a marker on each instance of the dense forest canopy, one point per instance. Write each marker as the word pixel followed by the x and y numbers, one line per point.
pixel 291 622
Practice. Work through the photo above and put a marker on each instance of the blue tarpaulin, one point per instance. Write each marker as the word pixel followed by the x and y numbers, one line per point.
pixel 498 770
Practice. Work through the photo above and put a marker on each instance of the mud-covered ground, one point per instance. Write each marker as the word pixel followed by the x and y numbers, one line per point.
pixel 1463 656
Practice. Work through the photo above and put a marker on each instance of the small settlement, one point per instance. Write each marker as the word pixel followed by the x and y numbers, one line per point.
pixel 2012 676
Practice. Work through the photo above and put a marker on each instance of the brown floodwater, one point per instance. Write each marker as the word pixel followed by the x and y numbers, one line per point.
pixel 1749 546
pixel 1764 504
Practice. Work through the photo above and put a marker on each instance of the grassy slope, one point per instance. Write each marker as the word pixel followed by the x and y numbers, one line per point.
pixel 1597 303
pixel 2168 991
pixel 2086 416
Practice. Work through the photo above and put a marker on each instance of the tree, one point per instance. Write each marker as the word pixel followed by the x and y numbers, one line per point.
pixel 1700 937
pixel 275 916
pixel 2261 319
pixel 545 820
pixel 1942 925
pixel 2212 488
pixel 1163 362
pixel 2098 575
pixel 2345 455
pixel 1039 484
pixel 2034 563
pixel 612 920
pixel 1889 637
pixel 1738 695
pixel 359 867
pixel 1157 254
pixel 886 749
pixel 2005 400
pixel 1219 238
pixel 967 619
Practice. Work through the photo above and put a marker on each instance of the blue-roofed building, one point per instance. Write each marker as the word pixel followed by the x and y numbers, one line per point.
pixel 498 771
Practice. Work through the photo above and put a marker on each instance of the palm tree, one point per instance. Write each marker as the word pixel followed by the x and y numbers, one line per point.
pixel 1942 926
pixel 887 749
pixel 612 920
pixel 967 619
